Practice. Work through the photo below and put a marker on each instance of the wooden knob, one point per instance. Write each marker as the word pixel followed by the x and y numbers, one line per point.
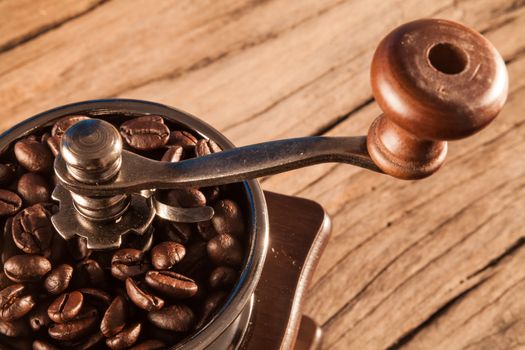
pixel 435 80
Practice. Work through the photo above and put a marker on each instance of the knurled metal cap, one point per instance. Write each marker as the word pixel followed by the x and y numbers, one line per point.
pixel 92 150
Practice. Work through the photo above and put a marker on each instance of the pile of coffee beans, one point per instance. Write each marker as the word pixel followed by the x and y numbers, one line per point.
pixel 58 294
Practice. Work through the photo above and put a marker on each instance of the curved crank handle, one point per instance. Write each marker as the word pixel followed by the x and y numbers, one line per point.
pixel 435 80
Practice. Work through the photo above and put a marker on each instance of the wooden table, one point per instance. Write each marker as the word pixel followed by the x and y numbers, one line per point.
pixel 438 263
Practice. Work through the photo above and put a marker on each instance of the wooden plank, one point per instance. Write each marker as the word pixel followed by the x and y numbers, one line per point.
pixel 22 20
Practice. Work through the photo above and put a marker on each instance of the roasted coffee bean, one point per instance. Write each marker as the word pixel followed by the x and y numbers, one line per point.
pixel 10 203
pixel 186 198
pixel 58 279
pixel 196 262
pixel 15 328
pixel 58 248
pixel 14 303
pixel 114 319
pixel 86 343
pixel 225 249
pixel 182 139
pixel 172 284
pixel 26 268
pixel 222 277
pixel 9 247
pixel 89 273
pixel 75 329
pixel 178 318
pixel 145 133
pixel 38 317
pixel 228 218
pixel 166 254
pixel 96 296
pixel 141 297
pixel 78 249
pixel 34 188
pixel 34 156
pixel 43 345
pixel 205 147
pixel 151 344
pixel 211 304
pixel 66 307
pixel 212 194
pixel 178 232
pixel 206 230
pixel 53 142
pixel 128 262
pixel 125 338
pixel 4 280
pixel 63 124
pixel 32 229
pixel 7 173
pixel 173 154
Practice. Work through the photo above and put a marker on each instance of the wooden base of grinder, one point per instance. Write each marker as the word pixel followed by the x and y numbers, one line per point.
pixel 299 230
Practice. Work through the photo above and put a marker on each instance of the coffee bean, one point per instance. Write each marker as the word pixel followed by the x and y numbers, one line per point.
pixel 60 127
pixel 182 139
pixel 211 304
pixel 173 154
pixel 38 317
pixel 7 173
pixel 128 262
pixel 32 229
pixel 9 247
pixel 222 277
pixel 4 280
pixel 178 232
pixel 66 307
pixel 141 297
pixel 10 203
pixel 228 218
pixel 15 328
pixel 225 249
pixel 205 147
pixel 43 345
pixel 78 249
pixel 96 296
pixel 186 198
pixel 58 248
pixel 212 194
pixel 86 343
pixel 114 319
pixel 166 254
pixel 58 279
pixel 34 156
pixel 26 268
pixel 89 273
pixel 196 262
pixel 178 318
pixel 125 338
pixel 34 188
pixel 75 329
pixel 151 344
pixel 145 133
pixel 14 303
pixel 172 284
pixel 206 230
pixel 54 143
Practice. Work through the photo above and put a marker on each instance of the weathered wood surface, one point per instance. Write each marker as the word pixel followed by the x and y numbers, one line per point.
pixel 438 263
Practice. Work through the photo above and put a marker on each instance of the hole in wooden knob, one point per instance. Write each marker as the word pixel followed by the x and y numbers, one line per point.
pixel 447 58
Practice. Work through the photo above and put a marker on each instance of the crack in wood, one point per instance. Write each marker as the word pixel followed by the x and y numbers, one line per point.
pixel 47 28
pixel 349 305
pixel 206 61
pixel 409 335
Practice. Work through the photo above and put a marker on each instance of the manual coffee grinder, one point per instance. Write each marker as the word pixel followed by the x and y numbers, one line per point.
pixel 435 80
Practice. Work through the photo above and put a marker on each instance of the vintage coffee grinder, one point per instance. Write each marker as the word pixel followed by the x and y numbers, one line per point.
pixel 435 80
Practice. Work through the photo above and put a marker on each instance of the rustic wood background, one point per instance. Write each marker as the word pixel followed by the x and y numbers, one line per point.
pixel 438 263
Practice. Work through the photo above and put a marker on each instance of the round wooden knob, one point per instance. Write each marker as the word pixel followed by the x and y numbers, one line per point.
pixel 435 80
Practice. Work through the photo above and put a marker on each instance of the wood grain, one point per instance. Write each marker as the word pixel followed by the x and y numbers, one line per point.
pixel 431 264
